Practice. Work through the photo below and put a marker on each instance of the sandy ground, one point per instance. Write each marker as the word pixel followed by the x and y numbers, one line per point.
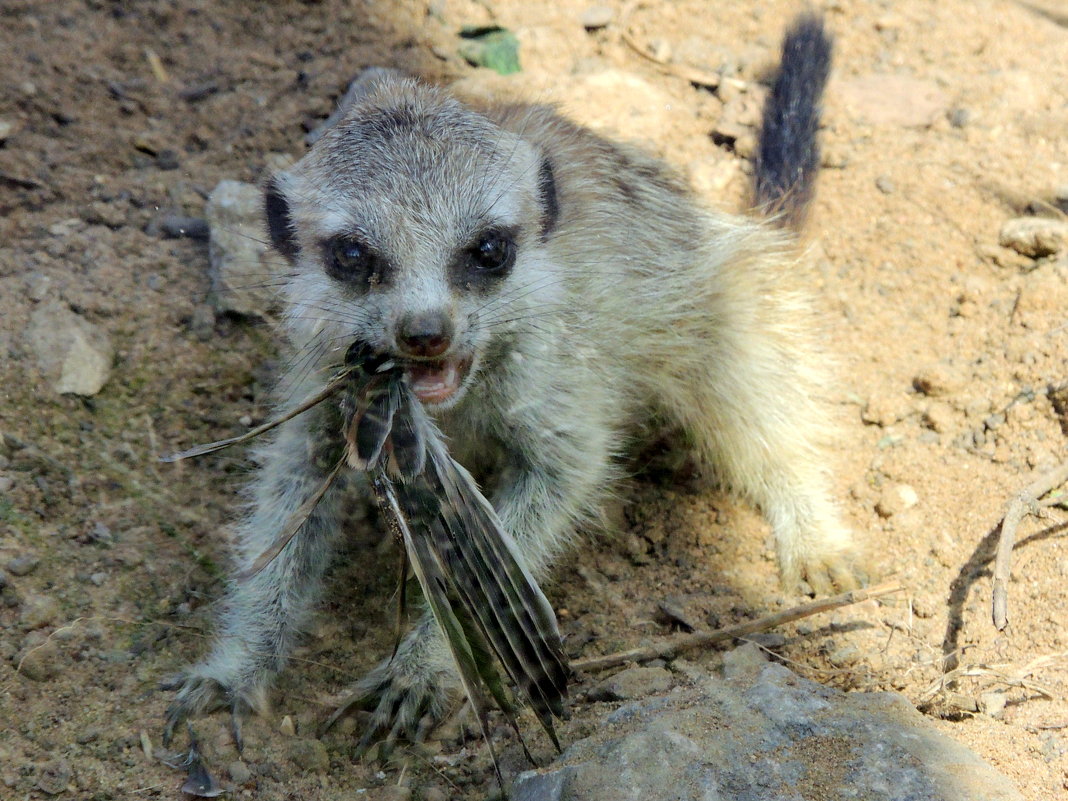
pixel 944 120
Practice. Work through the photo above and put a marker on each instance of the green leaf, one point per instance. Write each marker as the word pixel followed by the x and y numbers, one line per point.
pixel 495 48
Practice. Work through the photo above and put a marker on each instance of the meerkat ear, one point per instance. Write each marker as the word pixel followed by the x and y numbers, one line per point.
pixel 550 202
pixel 279 219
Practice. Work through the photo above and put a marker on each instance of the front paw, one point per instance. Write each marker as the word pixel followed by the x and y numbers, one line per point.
pixel 406 702
pixel 200 692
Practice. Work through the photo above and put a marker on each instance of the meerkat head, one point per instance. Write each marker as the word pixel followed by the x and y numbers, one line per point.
pixel 417 226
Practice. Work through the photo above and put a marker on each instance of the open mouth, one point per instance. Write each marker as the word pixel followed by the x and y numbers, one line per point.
pixel 435 382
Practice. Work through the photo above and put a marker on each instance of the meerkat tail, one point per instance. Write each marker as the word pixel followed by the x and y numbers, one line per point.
pixel 788 155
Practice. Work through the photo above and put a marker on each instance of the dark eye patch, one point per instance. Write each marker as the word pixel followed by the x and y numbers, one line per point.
pixel 488 259
pixel 351 260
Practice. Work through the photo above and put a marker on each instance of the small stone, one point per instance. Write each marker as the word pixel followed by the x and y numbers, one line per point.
pixel 37 287
pixel 98 578
pixel 38 611
pixel 54 776
pixel 884 185
pixel 6 129
pixel 243 269
pixel 41 662
pixel 434 794
pixel 6 483
pixel 1034 236
pixel 632 683
pixel 239 772
pixel 743 662
pixel 308 755
pixel 992 704
pixel 844 655
pixel 886 409
pixel 177 226
pixel 394 792
pixel 23 564
pixel 938 380
pixel 72 352
pixel 960 117
pixel 768 640
pixel 167 159
pixel 896 499
pixel 287 726
pixel 596 17
pixel 939 417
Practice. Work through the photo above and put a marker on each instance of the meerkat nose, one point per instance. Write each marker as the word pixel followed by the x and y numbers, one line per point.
pixel 425 335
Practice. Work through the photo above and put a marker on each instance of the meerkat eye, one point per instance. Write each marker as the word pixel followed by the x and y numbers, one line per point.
pixel 493 253
pixel 349 259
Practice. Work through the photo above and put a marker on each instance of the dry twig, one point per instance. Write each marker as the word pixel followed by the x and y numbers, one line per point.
pixel 1025 502
pixel 703 639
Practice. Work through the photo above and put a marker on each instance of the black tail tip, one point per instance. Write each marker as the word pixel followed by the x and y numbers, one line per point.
pixel 788 155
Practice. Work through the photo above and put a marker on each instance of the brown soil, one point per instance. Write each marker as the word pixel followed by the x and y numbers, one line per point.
pixel 917 295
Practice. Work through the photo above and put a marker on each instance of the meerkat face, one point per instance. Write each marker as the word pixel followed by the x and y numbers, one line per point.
pixel 418 227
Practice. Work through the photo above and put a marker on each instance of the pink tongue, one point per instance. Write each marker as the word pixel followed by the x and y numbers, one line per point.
pixel 434 382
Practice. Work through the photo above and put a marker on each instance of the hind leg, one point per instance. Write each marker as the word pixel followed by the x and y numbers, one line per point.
pixel 752 403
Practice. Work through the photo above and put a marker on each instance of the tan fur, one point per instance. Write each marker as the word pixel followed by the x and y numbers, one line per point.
pixel 637 301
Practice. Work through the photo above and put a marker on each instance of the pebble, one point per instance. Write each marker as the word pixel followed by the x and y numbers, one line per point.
pixel 633 682
pixel 844 655
pixel 6 129
pixel 938 380
pixel 596 17
pixel 287 726
pixel 239 772
pixel 38 611
pixel 41 662
pixel 434 794
pixel 896 499
pixel 74 354
pixel 939 417
pixel 884 185
pixel 167 159
pixel 394 792
pixel 242 267
pixel 308 755
pixel 177 226
pixel 1034 236
pixel 992 704
pixel 960 117
pixel 38 286
pixel 54 776
pixel 23 565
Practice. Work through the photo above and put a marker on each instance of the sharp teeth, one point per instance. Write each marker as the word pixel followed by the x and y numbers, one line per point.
pixel 450 375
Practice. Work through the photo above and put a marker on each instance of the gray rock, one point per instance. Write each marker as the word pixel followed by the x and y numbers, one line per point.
pixel 239 772
pixel 41 662
pixel 38 611
pixel 54 776
pixel 1035 236
pixel 23 564
pixel 243 269
pixel 766 734
pixel 73 353
pixel 308 754
pixel 632 683
pixel 596 17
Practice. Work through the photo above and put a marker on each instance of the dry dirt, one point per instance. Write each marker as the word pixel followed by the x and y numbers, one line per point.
pixel 117 558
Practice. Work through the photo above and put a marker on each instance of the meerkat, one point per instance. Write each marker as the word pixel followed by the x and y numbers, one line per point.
pixel 547 291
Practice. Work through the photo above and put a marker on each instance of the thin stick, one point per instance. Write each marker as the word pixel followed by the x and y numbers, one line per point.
pixel 703 639
pixel 1026 501
pixel 336 383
